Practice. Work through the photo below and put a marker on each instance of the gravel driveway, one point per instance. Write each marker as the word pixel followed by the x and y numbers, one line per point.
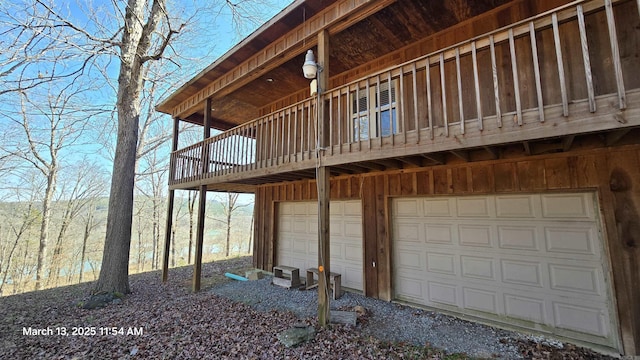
pixel 385 320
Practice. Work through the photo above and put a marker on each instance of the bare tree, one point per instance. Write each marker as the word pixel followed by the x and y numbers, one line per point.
pixel 46 126
pixel 86 185
pixel 230 205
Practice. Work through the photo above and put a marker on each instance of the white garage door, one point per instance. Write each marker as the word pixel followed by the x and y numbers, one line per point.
pixel 297 241
pixel 535 261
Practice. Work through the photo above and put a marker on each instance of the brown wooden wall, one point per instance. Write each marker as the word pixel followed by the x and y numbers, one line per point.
pixel 613 172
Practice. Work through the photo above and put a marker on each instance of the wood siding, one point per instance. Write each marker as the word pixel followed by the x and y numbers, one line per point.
pixel 614 173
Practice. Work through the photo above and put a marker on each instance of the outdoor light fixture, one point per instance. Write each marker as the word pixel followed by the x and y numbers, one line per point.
pixel 310 67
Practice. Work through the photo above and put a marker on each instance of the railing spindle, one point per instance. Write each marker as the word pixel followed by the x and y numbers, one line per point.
pixel 379 111
pixel 615 54
pixel 560 61
pixel 496 86
pixel 393 112
pixel 368 101
pixel 459 79
pixel 516 81
pixel 476 83
pixel 415 102
pixel 585 57
pixel 443 85
pixel 403 114
pixel 330 122
pixel 536 70
pixel 429 102
pixel 339 122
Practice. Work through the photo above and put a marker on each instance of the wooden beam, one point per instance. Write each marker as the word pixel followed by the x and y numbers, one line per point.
pixel 435 157
pixel 412 160
pixel 389 163
pixel 324 263
pixel 464 155
pixel 527 147
pixel 492 151
pixel 202 204
pixel 567 142
pixel 371 166
pixel 614 136
pixel 170 201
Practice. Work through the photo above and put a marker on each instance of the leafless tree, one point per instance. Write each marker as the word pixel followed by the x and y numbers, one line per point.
pixel 230 205
pixel 86 183
pixel 45 126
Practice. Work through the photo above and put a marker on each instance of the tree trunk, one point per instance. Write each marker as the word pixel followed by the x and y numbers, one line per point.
pixel 136 42
pixel 87 232
pixel 191 203
pixel 44 227
pixel 228 232
pixel 250 236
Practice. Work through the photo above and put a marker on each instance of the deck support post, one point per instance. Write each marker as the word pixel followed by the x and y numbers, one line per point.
pixel 202 202
pixel 169 226
pixel 322 179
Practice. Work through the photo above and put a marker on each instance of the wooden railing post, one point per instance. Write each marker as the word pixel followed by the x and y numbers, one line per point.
pixel 169 225
pixel 197 266
pixel 324 264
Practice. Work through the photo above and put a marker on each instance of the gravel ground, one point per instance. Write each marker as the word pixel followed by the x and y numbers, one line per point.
pixel 242 320
pixel 390 321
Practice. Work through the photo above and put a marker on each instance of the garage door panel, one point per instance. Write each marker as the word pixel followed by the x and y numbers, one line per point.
pixel 437 208
pixel 475 235
pixel 353 229
pixel 537 258
pixel 518 238
pixel 408 232
pixel 516 206
pixel 408 208
pixel 577 279
pixel 475 207
pixel 297 238
pixel 522 273
pixel 352 277
pixel 573 206
pixel 571 239
pixel 441 263
pixel 353 253
pixel 442 293
pixel 439 234
pixel 525 307
pixel 409 288
pixel 586 319
pixel 478 267
pixel 480 300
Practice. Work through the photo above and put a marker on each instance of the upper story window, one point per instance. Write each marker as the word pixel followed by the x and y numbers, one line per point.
pixel 373 112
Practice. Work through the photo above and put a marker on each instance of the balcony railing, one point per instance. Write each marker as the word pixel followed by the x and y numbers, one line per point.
pixel 540 75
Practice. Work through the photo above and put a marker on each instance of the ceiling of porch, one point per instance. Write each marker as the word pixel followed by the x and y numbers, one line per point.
pixel 388 30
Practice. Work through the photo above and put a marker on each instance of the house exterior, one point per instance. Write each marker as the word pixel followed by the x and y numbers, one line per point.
pixel 477 157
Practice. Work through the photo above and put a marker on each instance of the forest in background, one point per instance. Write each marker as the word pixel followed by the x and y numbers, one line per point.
pixel 78 229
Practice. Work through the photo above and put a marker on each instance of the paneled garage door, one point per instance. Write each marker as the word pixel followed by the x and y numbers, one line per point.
pixel 297 242
pixel 535 261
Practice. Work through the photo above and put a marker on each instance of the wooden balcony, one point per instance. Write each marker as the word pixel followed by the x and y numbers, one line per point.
pixel 561 74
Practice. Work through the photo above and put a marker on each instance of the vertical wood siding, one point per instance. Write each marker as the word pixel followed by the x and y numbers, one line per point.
pixel 586 170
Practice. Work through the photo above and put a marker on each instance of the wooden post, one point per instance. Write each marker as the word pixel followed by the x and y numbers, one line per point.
pixel 197 266
pixel 324 265
pixel 167 234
